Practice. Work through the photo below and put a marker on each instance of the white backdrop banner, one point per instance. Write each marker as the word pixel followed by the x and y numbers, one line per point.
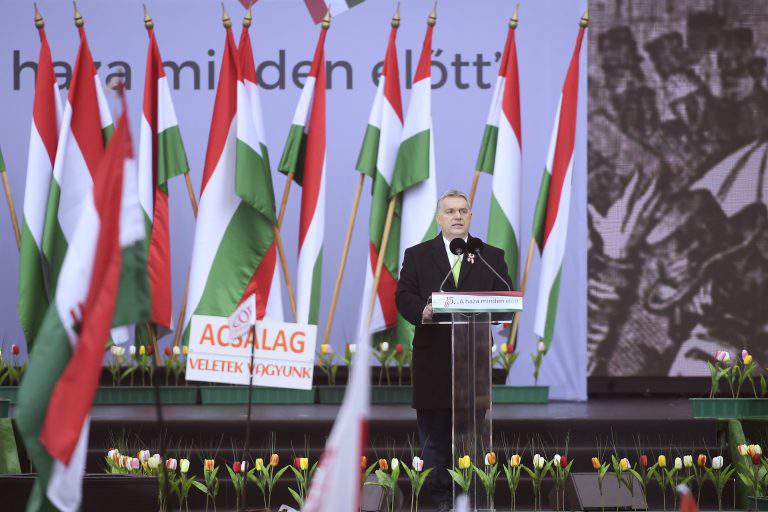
pixel 467 47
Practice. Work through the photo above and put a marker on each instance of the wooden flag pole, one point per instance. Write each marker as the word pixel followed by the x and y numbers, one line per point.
pixel 473 189
pixel 344 253
pixel 191 193
pixel 382 252
pixel 286 275
pixel 11 209
pixel 284 201
pixel 516 321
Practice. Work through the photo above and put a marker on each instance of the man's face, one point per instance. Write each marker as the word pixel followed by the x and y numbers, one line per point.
pixel 454 216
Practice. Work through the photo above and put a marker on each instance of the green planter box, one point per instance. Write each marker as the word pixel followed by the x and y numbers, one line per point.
pixel 520 394
pixel 5 405
pixel 729 408
pixel 758 503
pixel 9 392
pixel 380 395
pixel 145 395
pixel 239 395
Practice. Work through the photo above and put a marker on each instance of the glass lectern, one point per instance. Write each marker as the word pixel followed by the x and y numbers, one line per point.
pixel 471 315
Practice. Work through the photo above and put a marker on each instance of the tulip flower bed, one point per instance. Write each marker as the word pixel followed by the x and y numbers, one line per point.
pixel 514 479
pixel 742 374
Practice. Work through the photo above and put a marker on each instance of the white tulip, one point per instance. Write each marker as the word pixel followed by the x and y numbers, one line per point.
pixel 176 350
pixel 556 459
pixel 541 347
pixel 384 347
pixel 688 461
pixel 417 464
pixel 352 348
pixel 494 349
pixel 717 462
pixel 678 463
pixel 394 464
pixel 132 350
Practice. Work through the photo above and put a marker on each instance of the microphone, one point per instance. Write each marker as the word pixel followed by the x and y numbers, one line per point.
pixel 475 246
pixel 458 247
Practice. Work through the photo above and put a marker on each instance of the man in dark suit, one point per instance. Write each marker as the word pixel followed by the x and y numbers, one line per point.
pixel 424 267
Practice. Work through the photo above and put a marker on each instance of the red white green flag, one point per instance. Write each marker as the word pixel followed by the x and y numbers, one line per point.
pixel 487 157
pixel 85 128
pixel 550 222
pixel 318 8
pixel 234 203
pixel 161 157
pixel 415 173
pixel 43 140
pixel 254 183
pixel 104 265
pixel 377 160
pixel 504 216
pixel 304 156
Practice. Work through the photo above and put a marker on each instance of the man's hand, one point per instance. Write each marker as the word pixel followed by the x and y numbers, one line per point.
pixel 426 315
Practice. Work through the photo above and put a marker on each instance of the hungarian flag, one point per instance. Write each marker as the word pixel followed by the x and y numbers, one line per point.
pixel 161 157
pixel 85 129
pixel 337 485
pixel 318 8
pixel 487 157
pixel 414 173
pixel 304 156
pixel 377 160
pixel 229 235
pixel 59 387
pixel 550 221
pixel 504 217
pixel 43 140
pixel 254 182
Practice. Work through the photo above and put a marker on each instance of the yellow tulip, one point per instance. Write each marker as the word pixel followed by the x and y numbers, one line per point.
pixel 185 350
pixel 515 460
pixel 304 463
pixel 464 462
pixel 274 460
pixel 662 461
pixel 142 350
pixel 624 464
pixel 258 464
pixel 596 463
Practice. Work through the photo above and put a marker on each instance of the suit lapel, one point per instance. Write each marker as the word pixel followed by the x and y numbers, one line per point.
pixel 440 257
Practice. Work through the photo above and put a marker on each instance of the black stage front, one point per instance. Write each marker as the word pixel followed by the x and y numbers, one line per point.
pixel 599 426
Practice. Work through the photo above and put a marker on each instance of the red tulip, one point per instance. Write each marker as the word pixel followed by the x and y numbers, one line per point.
pixel 150 349
pixel 756 459
pixel 644 461
pixel 297 462
pixel 399 348
pixel 236 467
pixel 15 349
pixel 563 461
pixel 168 351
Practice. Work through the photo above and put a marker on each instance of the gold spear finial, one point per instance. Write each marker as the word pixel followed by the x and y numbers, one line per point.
pixel 327 19
pixel 432 19
pixel 225 17
pixel 79 22
pixel 584 21
pixel 248 18
pixel 39 23
pixel 396 17
pixel 147 19
pixel 513 20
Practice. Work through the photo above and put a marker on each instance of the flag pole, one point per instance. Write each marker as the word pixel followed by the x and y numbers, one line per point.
pixel 284 201
pixel 191 193
pixel 473 189
pixel 344 253
pixel 11 209
pixel 284 265
pixel 516 321
pixel 583 23
pixel 382 252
